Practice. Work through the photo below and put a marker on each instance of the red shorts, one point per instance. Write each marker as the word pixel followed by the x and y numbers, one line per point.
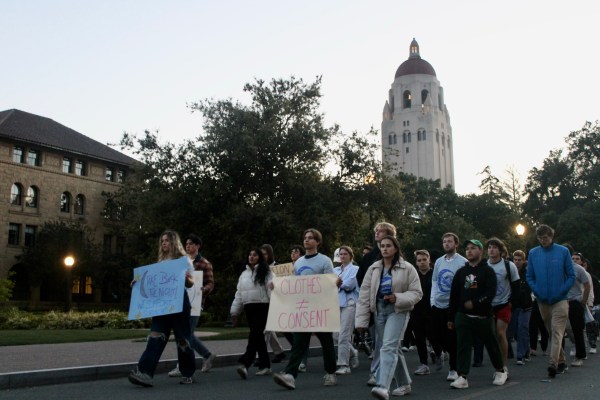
pixel 503 314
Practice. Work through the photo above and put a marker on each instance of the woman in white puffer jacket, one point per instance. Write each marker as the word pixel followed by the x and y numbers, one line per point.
pixel 252 297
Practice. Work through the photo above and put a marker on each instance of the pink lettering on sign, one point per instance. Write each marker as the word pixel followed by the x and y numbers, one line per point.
pixel 303 319
pixel 307 285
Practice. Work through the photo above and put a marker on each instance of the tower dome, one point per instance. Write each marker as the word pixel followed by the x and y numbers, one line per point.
pixel 415 64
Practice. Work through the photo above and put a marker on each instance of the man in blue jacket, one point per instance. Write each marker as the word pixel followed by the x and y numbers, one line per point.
pixel 550 275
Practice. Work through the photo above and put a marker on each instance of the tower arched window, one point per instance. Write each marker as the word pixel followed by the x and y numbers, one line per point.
pixel 418 136
pixel 31 200
pixel 408 137
pixel 443 140
pixel 79 205
pixel 65 202
pixel 16 194
pixel 406 99
pixel 404 137
pixel 395 140
pixel 390 140
pixel 424 95
pixel 424 135
pixel 437 135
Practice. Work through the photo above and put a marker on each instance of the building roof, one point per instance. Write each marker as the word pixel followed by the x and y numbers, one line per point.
pixel 415 64
pixel 30 128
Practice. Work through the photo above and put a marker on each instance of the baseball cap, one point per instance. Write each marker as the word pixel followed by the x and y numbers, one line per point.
pixel 473 241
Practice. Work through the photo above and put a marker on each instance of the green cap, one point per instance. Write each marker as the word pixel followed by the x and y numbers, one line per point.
pixel 473 241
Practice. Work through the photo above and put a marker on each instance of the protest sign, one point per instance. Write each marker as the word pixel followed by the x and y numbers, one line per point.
pixel 305 303
pixel 283 269
pixel 195 294
pixel 158 289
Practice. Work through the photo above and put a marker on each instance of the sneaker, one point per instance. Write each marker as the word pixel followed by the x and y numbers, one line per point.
pixel 343 370
pixel 207 363
pixel 439 363
pixel 242 371
pixel 302 367
pixel 372 380
pixel 445 356
pixel 330 380
pixel 460 383
pixel 500 378
pixel 402 390
pixel 452 375
pixel 264 371
pixel 578 362
pixel 175 373
pixel 140 378
pixel 572 352
pixel 285 380
pixel 552 371
pixel 562 368
pixel 277 358
pixel 404 349
pixel 412 348
pixel 432 356
pixel 532 352
pixel 592 350
pixel 380 393
pixel 354 361
pixel 422 370
pixel 186 380
pixel 526 359
pixel 520 361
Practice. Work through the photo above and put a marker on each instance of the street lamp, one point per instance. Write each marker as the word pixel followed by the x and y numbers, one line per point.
pixel 520 229
pixel 69 262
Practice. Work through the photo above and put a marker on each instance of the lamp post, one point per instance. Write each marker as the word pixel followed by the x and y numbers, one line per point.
pixel 520 230
pixel 69 261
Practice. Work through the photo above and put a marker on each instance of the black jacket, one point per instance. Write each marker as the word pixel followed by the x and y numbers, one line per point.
pixel 477 284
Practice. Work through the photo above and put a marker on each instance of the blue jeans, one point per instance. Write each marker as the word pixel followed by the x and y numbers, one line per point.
pixel 519 327
pixel 194 341
pixel 390 330
pixel 163 324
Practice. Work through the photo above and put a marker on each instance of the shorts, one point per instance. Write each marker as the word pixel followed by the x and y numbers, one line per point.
pixel 503 313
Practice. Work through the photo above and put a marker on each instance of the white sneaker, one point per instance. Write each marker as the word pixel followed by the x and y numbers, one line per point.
pixel 380 393
pixel 372 380
pixel 302 367
pixel 207 363
pixel 263 372
pixel 343 370
pixel 402 390
pixel 592 350
pixel 452 375
pixel 422 370
pixel 285 380
pixel 578 362
pixel 460 383
pixel 354 361
pixel 175 373
pixel 242 371
pixel 330 380
pixel 572 353
pixel 500 378
pixel 412 348
pixel 140 378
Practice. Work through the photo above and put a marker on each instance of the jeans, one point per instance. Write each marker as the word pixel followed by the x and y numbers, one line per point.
pixel 256 314
pixel 555 318
pixel 390 327
pixel 194 341
pixel 345 336
pixel 163 324
pixel 519 327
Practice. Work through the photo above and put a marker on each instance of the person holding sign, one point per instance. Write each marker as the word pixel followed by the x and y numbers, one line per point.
pixel 312 263
pixel 348 296
pixel 252 296
pixel 170 248
pixel 390 290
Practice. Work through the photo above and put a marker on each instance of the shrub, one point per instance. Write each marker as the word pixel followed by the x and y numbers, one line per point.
pixel 16 319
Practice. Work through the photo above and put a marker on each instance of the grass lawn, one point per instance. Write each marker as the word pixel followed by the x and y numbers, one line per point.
pixel 23 337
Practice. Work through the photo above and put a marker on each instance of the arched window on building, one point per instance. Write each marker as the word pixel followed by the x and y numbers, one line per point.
pixel 443 140
pixel 65 202
pixel 390 140
pixel 79 205
pixel 424 135
pixel 16 194
pixel 404 137
pixel 424 95
pixel 437 135
pixel 406 99
pixel 395 139
pixel 418 135
pixel 31 200
pixel 408 136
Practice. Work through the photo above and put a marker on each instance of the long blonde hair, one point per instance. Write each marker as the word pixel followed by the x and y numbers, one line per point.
pixel 176 249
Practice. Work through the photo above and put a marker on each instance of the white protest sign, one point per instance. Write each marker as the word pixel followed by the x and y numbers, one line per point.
pixel 305 303
pixel 195 294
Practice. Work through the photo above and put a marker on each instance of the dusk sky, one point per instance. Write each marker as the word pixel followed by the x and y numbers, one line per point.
pixel 518 76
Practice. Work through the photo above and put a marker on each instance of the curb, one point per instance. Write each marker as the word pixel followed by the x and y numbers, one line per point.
pixel 15 380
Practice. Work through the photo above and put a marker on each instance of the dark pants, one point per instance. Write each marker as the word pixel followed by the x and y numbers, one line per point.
pixel 468 328
pixel 256 314
pixel 577 326
pixel 444 338
pixel 536 324
pixel 423 329
pixel 180 324
pixel 300 345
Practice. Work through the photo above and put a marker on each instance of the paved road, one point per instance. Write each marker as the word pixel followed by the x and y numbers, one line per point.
pixel 526 382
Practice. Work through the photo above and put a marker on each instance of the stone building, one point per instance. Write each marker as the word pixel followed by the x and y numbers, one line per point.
pixel 416 132
pixel 50 172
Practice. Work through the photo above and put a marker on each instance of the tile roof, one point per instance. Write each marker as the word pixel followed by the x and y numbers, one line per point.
pixel 30 128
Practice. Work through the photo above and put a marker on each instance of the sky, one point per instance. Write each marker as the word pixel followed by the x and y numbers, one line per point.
pixel 518 76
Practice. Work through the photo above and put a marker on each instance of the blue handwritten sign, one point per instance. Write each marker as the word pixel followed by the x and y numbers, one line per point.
pixel 158 289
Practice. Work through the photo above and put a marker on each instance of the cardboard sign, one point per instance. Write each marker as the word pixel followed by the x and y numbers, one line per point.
pixel 158 289
pixel 195 294
pixel 283 269
pixel 305 303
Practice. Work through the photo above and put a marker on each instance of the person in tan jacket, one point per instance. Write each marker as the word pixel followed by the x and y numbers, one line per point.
pixel 390 289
